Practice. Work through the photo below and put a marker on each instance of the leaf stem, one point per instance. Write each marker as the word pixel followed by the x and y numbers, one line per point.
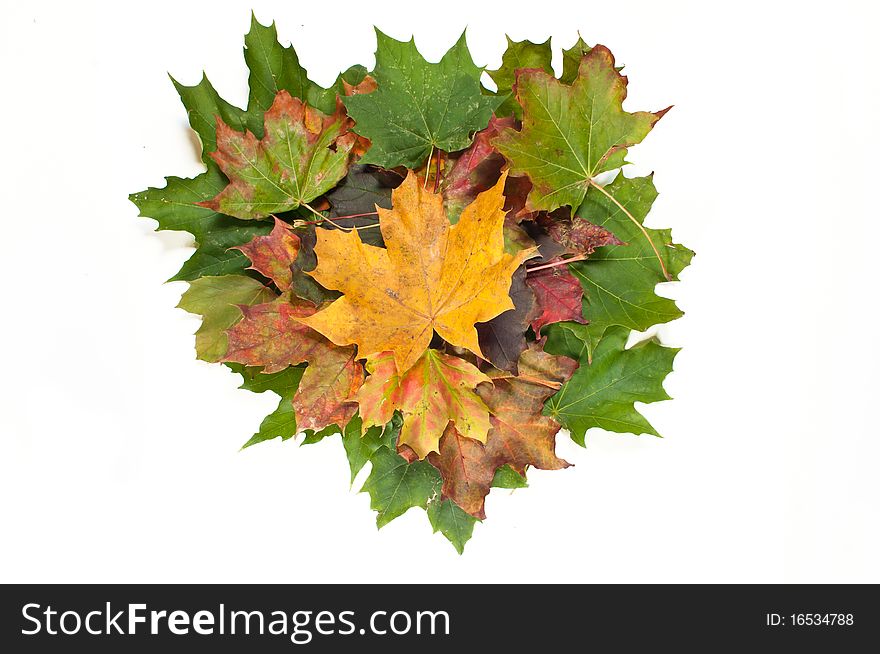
pixel 428 167
pixel 641 227
pixel 437 174
pixel 554 264
pixel 532 380
pixel 354 215
pixel 337 226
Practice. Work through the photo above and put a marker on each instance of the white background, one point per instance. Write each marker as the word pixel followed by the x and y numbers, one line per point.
pixel 120 459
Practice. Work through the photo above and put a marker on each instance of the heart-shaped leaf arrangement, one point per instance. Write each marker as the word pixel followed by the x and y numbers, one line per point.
pixel 428 268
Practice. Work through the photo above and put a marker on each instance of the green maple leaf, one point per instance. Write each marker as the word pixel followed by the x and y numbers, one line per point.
pixel 217 299
pixel 507 477
pixel 451 521
pixel 602 393
pixel 519 54
pixel 176 207
pixel 275 68
pixel 419 106
pixel 361 445
pixel 570 134
pixel 571 60
pixel 619 280
pixel 203 105
pixel 281 423
pixel 395 485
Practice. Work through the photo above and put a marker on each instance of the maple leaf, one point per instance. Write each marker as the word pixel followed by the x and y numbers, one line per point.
pixel 396 485
pixel 362 190
pixel 619 281
pixel 517 56
pixel 275 68
pixel 270 335
pixel 177 207
pixel 520 435
pixel 558 296
pixel 272 256
pixel 574 235
pixel 360 444
pixel 431 276
pixel 561 162
pixel 602 393
pixel 218 301
pixel 502 339
pixel 281 423
pixel 466 469
pixel 435 391
pixel 476 170
pixel 303 285
pixel 327 386
pixel 204 107
pixel 571 60
pixel 452 521
pixel 302 154
pixel 419 107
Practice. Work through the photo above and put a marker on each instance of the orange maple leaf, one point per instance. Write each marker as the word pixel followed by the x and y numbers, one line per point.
pixel 432 276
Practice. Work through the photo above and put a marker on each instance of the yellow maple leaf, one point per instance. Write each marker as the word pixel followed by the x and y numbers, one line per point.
pixel 431 276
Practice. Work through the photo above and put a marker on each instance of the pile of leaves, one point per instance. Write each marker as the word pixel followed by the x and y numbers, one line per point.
pixel 426 267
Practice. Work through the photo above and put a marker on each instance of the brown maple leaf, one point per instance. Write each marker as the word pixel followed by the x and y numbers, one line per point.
pixel 520 434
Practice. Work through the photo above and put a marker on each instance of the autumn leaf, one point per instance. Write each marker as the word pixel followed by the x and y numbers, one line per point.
pixel 570 134
pixel 395 485
pixel 451 521
pixel 467 471
pixel 204 107
pixel 519 55
pixel 358 195
pixel 328 384
pixel 502 339
pixel 438 389
pixel 431 276
pixel 619 281
pixel 360 444
pixel 275 68
pixel 302 154
pixel 419 107
pixel 602 393
pixel 477 169
pixel 270 335
pixel 281 423
pixel 574 235
pixel 520 436
pixel 219 300
pixel 558 296
pixel 304 286
pixel 177 207
pixel 571 60
pixel 273 255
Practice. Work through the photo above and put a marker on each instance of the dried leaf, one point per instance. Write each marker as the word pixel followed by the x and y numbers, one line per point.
pixel 476 170
pixel 558 296
pixel 502 339
pixel 431 276
pixel 327 386
pixel 438 389
pixel 273 255
pixel 219 300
